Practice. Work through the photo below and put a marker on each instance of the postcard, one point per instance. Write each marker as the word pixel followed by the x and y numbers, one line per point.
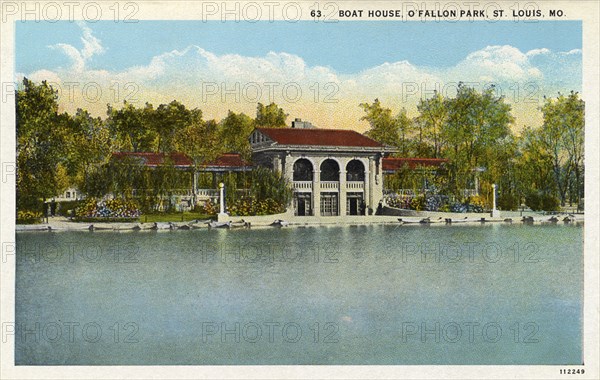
pixel 299 189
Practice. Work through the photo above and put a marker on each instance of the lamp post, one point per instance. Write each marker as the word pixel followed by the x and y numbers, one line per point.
pixel 495 212
pixel 222 198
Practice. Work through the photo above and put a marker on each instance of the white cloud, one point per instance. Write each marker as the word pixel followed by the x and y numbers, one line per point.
pixel 499 63
pixel 91 46
pixel 184 74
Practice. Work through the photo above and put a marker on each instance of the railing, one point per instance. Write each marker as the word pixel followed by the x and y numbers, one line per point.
pixel 355 185
pixel 207 193
pixel 214 194
pixel 166 193
pixel 330 185
pixel 302 185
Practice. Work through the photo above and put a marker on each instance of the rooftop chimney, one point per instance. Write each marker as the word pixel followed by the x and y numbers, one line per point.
pixel 299 124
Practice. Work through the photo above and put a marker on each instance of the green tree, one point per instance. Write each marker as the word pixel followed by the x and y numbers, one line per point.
pixel 199 141
pixel 40 140
pixel 405 126
pixel 267 184
pixel 270 116
pixel 433 115
pixel 476 128
pixel 234 132
pixel 395 131
pixel 563 136
pixel 88 146
pixel 534 164
pixel 384 127
pixel 130 127
pixel 168 119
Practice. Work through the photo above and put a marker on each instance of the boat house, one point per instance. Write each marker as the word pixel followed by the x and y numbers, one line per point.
pixel 332 171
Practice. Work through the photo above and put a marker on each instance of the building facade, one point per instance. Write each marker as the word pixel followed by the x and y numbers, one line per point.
pixel 333 172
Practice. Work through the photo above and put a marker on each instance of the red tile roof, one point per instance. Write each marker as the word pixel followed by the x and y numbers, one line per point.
pixel 395 163
pixel 227 160
pixel 320 137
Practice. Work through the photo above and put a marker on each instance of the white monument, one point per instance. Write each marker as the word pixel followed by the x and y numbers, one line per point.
pixel 222 216
pixel 495 212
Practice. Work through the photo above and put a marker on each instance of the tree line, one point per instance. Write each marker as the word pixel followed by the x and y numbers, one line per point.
pixel 542 166
pixel 56 150
pixel 472 130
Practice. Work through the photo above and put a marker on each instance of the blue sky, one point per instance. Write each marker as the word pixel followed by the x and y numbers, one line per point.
pixel 346 47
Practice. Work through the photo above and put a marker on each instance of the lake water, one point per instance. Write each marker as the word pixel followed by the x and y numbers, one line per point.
pixel 493 294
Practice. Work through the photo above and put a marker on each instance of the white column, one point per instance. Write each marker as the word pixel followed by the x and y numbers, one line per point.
pixel 495 212
pixel 316 191
pixel 277 163
pixel 194 186
pixel 372 172
pixel 222 215
pixel 377 184
pixel 287 167
pixel 367 188
pixel 342 193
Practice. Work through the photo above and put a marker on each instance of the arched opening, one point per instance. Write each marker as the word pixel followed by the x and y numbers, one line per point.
pixel 330 170
pixel 303 170
pixel 355 171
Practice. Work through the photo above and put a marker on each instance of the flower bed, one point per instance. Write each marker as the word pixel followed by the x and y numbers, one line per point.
pixel 434 202
pixel 112 209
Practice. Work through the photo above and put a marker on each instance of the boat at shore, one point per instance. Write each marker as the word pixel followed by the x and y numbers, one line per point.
pixel 419 220
pixel 162 226
pixel 229 224
pixel 215 224
pixel 241 224
pixel 464 220
pixel 279 223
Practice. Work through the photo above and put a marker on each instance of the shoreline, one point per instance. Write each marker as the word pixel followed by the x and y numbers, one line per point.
pixel 266 221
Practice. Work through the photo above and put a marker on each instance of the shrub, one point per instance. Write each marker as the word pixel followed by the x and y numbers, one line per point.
pixel 508 202
pixel 251 206
pixel 533 200
pixel 458 207
pixel 475 204
pixel 542 202
pixel 207 208
pixel 66 206
pixel 29 217
pixel 549 203
pixel 434 202
pixel 418 203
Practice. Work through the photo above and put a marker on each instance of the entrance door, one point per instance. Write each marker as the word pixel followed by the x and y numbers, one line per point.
pixel 353 203
pixel 301 206
pixel 329 204
pixel 353 206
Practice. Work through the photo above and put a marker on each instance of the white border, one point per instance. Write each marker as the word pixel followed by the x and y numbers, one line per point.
pixel 588 11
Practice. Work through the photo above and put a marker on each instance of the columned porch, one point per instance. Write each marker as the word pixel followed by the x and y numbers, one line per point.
pixel 332 186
